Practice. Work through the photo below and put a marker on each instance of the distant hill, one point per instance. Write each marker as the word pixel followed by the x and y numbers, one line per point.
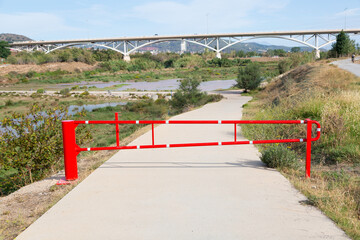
pixel 10 37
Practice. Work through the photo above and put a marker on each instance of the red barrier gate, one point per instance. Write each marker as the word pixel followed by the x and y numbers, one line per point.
pixel 71 149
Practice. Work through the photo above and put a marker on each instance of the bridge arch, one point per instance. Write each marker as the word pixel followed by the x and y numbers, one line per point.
pixel 75 44
pixel 283 37
pixel 166 40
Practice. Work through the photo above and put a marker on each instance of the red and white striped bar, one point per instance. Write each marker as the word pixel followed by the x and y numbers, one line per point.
pixel 195 122
pixel 71 149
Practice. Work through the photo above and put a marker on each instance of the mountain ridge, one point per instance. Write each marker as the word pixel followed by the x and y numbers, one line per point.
pixel 11 37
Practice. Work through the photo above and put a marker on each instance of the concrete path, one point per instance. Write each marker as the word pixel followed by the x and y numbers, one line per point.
pixel 346 64
pixel 206 193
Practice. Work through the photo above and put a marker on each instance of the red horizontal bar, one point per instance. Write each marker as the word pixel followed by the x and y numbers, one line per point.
pixel 277 141
pixel 196 122
pixel 174 145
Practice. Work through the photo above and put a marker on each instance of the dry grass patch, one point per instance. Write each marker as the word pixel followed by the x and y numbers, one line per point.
pixel 334 191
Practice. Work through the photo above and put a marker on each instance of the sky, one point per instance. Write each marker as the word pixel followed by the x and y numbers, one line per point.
pixel 78 19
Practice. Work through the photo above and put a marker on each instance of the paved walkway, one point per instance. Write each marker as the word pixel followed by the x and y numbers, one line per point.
pixel 206 193
pixel 346 64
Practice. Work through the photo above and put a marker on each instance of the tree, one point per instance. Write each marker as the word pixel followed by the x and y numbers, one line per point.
pixel 280 52
pixel 188 94
pixel 249 77
pixel 4 49
pixel 295 49
pixel 343 46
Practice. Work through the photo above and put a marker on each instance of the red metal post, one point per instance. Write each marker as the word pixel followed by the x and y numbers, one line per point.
pixel 235 132
pixel 153 138
pixel 70 153
pixel 308 148
pixel 117 130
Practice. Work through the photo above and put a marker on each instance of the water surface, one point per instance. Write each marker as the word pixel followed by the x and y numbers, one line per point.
pixel 163 85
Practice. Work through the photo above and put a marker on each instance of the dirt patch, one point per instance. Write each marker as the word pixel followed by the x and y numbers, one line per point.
pixel 265 59
pixel 24 68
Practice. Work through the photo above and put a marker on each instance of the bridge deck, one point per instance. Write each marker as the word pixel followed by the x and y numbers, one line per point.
pixel 190 36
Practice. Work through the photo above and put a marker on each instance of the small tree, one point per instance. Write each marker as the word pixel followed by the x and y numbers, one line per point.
pixel 295 49
pixel 249 77
pixel 187 95
pixel 4 49
pixel 343 46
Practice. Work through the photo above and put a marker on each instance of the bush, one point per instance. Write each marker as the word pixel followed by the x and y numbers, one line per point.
pixel 223 62
pixel 9 103
pixel 249 78
pixel 187 95
pixel 279 156
pixel 41 90
pixel 65 92
pixel 189 62
pixel 65 56
pixel 284 66
pixel 31 146
pixel 12 60
pixel 114 65
pixel 139 64
pixel 84 94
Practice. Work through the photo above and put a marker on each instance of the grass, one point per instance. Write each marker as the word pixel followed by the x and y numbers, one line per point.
pixel 331 96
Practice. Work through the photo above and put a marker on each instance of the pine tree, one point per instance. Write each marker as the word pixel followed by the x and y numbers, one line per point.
pixel 343 46
pixel 4 49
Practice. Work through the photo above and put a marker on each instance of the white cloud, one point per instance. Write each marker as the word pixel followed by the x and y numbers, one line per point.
pixel 33 24
pixel 222 15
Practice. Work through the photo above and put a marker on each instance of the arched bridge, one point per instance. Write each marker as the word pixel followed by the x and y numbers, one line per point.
pixel 215 42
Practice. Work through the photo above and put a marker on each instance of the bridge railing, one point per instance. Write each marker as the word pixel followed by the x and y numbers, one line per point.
pixel 71 149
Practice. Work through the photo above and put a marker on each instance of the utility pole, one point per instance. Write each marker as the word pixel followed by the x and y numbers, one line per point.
pixel 207 23
pixel 345 10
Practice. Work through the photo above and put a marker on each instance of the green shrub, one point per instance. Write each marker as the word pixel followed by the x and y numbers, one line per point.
pixel 279 156
pixel 9 102
pixel 41 90
pixel 221 62
pixel 84 94
pixel 139 64
pixel 284 66
pixel 187 94
pixel 31 146
pixel 114 65
pixel 65 56
pixel 249 78
pixel 189 62
pixel 12 60
pixel 65 92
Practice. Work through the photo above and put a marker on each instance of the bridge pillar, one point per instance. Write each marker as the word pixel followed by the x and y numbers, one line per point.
pixel 218 55
pixel 183 46
pixel 317 51
pixel 126 58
